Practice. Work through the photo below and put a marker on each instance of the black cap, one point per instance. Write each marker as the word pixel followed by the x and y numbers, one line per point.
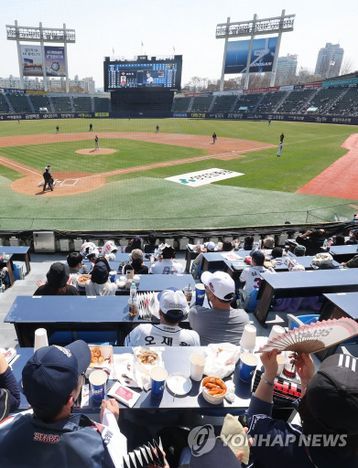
pixel 100 273
pixel 332 394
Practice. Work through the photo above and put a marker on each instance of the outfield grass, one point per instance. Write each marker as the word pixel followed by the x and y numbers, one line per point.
pixel 145 201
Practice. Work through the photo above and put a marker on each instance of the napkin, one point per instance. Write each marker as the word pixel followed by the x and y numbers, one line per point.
pixel 221 359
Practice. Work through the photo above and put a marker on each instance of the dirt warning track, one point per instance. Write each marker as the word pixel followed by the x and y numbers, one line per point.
pixel 340 179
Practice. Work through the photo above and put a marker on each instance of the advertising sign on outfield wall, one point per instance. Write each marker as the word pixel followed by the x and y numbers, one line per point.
pixel 199 178
pixel 31 60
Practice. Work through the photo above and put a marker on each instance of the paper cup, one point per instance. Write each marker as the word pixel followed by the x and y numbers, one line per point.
pixel 158 376
pixel 248 339
pixel 276 330
pixel 41 339
pixel 98 380
pixel 197 364
pixel 248 364
pixel 199 294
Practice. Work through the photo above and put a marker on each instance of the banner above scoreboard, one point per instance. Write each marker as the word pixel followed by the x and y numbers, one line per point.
pixel 261 59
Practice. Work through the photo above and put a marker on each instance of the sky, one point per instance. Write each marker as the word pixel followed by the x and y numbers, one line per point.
pixel 186 25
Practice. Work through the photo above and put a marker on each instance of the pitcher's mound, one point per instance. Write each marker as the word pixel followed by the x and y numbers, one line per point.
pixel 94 152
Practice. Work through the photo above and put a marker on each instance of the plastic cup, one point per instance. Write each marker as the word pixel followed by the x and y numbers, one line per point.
pixel 188 293
pixel 112 276
pixel 248 339
pixel 281 359
pixel 41 338
pixel 98 380
pixel 197 364
pixel 248 364
pixel 276 330
pixel 199 294
pixel 158 377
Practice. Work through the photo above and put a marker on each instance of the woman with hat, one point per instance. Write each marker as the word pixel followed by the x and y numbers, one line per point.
pixel 99 284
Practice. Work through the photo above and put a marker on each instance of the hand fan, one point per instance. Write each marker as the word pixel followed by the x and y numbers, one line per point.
pixel 313 338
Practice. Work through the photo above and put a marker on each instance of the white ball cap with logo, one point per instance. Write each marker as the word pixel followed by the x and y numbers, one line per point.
pixel 173 303
pixel 220 284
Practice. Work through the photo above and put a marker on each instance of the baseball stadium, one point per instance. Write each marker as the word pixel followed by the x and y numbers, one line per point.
pixel 178 259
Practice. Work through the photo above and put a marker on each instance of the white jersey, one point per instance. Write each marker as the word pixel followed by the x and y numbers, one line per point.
pixel 147 334
pixel 167 267
pixel 252 278
pixel 106 289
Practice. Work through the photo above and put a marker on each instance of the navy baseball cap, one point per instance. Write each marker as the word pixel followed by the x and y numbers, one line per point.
pixel 332 394
pixel 51 374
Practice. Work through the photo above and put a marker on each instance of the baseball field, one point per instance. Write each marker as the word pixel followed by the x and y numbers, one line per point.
pixel 124 185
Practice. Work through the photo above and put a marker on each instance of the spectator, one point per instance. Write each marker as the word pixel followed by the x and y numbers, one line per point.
pixel 329 407
pixel 227 246
pixel 352 263
pixel 220 322
pixel 89 251
pixel 74 262
pixel 53 436
pixel 248 243
pixel 277 252
pixel 150 246
pixel 268 243
pixel 353 238
pixel 312 240
pixel 135 243
pixel 299 251
pixel 56 285
pixel 167 263
pixel 338 240
pixel 251 276
pixel 136 263
pixel 99 284
pixel 173 308
pixel 9 389
pixel 109 250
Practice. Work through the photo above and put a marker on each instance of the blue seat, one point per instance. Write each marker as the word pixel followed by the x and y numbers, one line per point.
pixel 299 320
pixel 65 337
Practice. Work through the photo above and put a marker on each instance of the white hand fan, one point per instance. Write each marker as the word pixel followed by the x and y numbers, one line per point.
pixel 313 338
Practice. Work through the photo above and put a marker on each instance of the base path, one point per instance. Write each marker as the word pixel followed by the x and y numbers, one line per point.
pixel 340 179
pixel 70 183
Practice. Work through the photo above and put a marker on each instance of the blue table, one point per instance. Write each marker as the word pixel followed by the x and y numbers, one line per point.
pixel 73 316
pixel 303 284
pixel 176 360
pixel 340 305
pixel 160 282
pixel 343 253
pixel 18 253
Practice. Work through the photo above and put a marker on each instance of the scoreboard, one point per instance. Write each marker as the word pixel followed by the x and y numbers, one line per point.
pixel 143 73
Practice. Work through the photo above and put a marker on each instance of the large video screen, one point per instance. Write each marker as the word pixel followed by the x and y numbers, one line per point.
pixel 146 73
pixel 262 55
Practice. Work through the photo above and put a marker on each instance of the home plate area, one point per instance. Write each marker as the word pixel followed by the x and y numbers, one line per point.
pixel 66 182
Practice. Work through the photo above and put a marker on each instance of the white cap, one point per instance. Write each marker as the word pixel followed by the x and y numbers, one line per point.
pixel 210 245
pixel 220 284
pixel 109 247
pixel 173 304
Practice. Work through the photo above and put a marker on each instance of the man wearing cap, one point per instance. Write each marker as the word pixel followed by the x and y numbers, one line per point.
pixel 52 436
pixel 56 285
pixel 251 276
pixel 328 410
pixel 220 323
pixel 173 308
pixel 167 264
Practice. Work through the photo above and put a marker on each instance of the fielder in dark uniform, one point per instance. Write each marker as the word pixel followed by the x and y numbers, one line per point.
pixel 48 180
pixel 214 137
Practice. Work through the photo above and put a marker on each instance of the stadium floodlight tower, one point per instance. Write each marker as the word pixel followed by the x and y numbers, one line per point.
pixel 253 28
pixel 41 60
